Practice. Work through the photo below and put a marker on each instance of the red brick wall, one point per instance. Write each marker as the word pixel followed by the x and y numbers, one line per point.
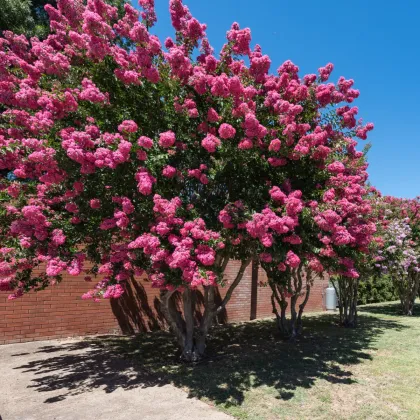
pixel 59 311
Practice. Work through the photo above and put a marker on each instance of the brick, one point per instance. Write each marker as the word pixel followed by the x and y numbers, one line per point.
pixel 60 311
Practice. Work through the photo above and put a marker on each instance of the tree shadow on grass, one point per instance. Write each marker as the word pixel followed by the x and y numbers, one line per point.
pixel 242 357
pixel 392 308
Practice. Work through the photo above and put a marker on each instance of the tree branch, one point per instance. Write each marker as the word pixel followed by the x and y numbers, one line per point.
pixel 225 263
pixel 173 320
pixel 232 287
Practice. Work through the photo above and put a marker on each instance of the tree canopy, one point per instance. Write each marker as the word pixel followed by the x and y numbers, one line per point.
pixel 121 156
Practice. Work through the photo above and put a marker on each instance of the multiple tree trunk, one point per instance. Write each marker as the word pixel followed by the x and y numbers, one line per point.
pixel 408 286
pixel 191 337
pixel 347 292
pixel 286 289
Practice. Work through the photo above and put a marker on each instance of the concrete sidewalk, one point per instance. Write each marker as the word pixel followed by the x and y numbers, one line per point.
pixel 68 380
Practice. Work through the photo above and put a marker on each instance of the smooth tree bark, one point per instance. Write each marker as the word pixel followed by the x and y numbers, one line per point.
pixel 286 289
pixel 192 338
pixel 407 286
pixel 347 292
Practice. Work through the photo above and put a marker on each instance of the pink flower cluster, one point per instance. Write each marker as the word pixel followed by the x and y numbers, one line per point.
pixel 224 158
pixel 178 245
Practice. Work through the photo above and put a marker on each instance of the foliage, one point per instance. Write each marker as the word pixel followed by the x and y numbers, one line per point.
pixel 361 263
pixel 400 257
pixel 29 17
pixel 344 223
pixel 16 16
pixel 376 289
pixel 26 17
pixel 121 157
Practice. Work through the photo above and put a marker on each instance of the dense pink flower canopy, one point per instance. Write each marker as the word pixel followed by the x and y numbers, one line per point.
pixel 120 156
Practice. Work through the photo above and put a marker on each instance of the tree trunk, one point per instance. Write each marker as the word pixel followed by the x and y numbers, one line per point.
pixel 283 316
pixel 407 306
pixel 302 308
pixel 408 289
pixel 352 303
pixel 278 299
pixel 189 351
pixel 207 320
pixel 347 292
pixel 292 284
pixel 191 338
pixel 293 317
pixel 173 317
pixel 210 309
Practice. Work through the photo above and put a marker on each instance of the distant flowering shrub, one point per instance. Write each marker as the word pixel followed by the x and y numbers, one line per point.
pixel 138 157
pixel 400 255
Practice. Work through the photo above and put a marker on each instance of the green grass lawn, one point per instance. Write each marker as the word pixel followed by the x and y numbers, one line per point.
pixel 372 372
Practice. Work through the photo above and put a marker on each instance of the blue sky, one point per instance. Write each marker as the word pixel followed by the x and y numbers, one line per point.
pixel 374 42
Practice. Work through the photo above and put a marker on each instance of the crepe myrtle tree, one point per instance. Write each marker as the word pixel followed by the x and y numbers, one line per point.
pixel 119 153
pixel 356 263
pixel 332 220
pixel 400 256
pixel 362 266
pixel 331 236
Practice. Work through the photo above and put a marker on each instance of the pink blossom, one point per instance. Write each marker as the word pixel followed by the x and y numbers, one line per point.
pixel 315 265
pixel 325 72
pixel 72 207
pixel 55 267
pixel 167 139
pixel 169 171
pixel 342 237
pixel 212 115
pixel 205 255
pixel 162 229
pixel 277 195
pixel 145 181
pixel 5 269
pixel 275 161
pixel 76 265
pixel 266 257
pixel 95 203
pixel 145 142
pixel 226 131
pixel 309 79
pixel 225 219
pixel 113 292
pixel 58 237
pixel 6 284
pixel 336 167
pixel 241 39
pixel 203 179
pixel 245 144
pixel 275 145
pixel 236 241
pixel 281 267
pixel 128 126
pixel 293 206
pixel 292 259
pixel 351 273
pixel 127 206
pixel 210 143
pixel 293 239
pixel 91 93
pixel 329 195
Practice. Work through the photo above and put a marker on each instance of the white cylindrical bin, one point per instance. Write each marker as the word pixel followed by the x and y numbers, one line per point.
pixel 330 299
